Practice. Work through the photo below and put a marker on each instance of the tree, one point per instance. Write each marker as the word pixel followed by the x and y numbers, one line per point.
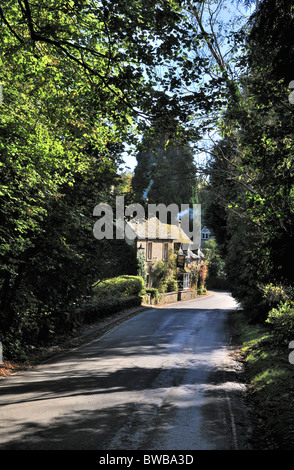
pixel 255 195
pixel 166 172
pixel 73 84
pixel 272 32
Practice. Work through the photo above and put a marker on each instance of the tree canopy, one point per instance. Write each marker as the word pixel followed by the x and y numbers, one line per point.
pixel 252 202
pixel 166 171
pixel 83 78
pixel 74 81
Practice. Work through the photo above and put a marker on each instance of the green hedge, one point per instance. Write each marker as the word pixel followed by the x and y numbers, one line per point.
pixel 121 286
pixel 109 296
pixel 281 320
pixel 97 310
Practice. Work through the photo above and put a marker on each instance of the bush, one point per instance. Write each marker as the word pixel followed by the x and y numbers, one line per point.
pixel 141 270
pixel 121 286
pixel 171 285
pixel 282 321
pixel 163 275
pixel 153 292
pixel 94 311
pixel 203 272
pixel 33 329
pixel 194 277
pixel 274 295
pixel 159 274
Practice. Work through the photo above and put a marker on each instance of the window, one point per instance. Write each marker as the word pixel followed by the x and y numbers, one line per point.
pixel 205 233
pixel 149 250
pixel 165 251
pixel 186 280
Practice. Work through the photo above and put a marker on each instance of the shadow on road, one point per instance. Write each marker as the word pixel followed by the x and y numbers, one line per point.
pixel 143 368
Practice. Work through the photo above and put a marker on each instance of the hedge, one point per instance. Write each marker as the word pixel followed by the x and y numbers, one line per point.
pixel 121 286
pixel 95 310
pixel 281 320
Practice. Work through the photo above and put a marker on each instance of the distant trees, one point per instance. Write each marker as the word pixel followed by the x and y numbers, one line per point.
pixel 166 171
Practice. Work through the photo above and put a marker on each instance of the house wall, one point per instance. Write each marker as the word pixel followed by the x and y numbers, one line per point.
pixel 159 252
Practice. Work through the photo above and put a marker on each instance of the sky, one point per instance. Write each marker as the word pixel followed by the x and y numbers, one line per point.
pixel 130 162
pixel 226 14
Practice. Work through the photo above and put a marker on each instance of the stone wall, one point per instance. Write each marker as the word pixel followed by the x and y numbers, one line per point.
pixel 187 294
pixel 170 297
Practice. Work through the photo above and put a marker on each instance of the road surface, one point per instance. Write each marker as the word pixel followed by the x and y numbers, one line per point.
pixel 165 379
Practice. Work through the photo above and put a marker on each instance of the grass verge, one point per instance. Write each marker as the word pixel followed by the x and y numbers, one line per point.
pixel 270 378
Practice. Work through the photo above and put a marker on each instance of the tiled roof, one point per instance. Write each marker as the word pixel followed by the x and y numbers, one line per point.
pixel 153 229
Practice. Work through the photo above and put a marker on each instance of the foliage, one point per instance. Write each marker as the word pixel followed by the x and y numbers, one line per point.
pixel 282 321
pixel 216 277
pixel 270 384
pixel 121 286
pixel 165 156
pixel 172 284
pixel 213 258
pixel 203 272
pixel 77 80
pixel 153 292
pixel 123 187
pixel 164 275
pixel 96 310
pixel 275 294
pixel 73 85
pixel 251 209
pixel 141 270
pixel 194 276
pixel 159 275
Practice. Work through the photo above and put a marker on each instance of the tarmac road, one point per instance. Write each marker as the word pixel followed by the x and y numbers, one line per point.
pixel 164 379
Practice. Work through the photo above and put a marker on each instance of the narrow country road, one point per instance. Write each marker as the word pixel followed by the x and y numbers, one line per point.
pixel 165 379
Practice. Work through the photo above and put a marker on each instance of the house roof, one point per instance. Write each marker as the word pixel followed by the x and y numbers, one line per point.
pixel 153 228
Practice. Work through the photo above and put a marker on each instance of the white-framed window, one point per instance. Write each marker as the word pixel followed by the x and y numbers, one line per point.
pixel 186 280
